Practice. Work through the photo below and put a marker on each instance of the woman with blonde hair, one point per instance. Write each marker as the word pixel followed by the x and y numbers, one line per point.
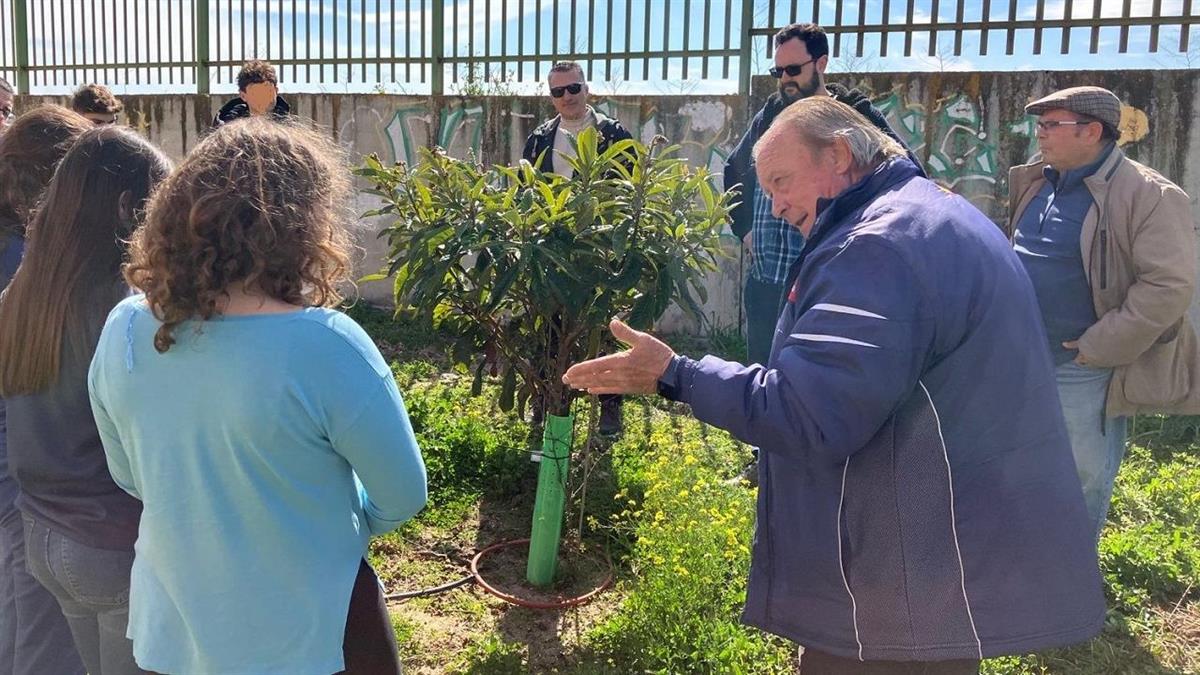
pixel 263 432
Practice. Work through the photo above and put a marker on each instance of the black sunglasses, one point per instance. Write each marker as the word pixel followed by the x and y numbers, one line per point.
pixel 792 70
pixel 574 88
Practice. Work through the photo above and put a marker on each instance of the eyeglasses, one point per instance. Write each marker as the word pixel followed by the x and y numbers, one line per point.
pixel 791 70
pixel 574 88
pixel 1047 125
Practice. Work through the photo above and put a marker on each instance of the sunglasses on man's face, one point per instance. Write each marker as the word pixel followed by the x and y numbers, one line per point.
pixel 574 88
pixel 792 70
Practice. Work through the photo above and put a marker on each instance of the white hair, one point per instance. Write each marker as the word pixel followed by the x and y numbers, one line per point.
pixel 819 121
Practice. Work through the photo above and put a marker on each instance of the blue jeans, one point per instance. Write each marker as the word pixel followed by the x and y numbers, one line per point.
pixel 34 637
pixel 1097 442
pixel 92 588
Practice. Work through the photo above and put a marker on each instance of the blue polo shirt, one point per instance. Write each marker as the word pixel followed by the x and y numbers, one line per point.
pixel 1047 242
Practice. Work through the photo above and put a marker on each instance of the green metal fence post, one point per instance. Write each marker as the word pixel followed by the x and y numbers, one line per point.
pixel 747 47
pixel 21 46
pixel 438 46
pixel 202 59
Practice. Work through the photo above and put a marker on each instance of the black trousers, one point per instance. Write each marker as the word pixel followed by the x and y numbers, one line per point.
pixel 813 662
pixel 369 647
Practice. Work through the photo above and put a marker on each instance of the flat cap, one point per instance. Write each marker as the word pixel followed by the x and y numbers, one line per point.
pixel 1096 102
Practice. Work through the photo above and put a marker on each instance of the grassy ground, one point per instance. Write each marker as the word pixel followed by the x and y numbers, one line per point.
pixel 658 505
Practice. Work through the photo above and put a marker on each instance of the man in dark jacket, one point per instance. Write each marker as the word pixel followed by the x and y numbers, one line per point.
pixel 918 498
pixel 801 56
pixel 549 146
pixel 258 94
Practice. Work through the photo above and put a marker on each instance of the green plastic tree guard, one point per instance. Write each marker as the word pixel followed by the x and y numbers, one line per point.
pixel 551 497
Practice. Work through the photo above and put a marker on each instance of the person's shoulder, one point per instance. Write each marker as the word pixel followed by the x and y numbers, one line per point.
pixel 1147 181
pixel 335 335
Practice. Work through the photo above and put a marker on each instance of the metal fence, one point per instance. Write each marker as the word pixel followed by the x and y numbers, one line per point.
pixel 439 45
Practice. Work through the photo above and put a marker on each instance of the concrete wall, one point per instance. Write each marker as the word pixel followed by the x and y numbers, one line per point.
pixel 969 128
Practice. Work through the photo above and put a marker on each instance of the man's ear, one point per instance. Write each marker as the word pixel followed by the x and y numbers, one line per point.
pixel 822 63
pixel 840 155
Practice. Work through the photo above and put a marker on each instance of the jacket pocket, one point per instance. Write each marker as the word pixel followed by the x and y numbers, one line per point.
pixel 1161 375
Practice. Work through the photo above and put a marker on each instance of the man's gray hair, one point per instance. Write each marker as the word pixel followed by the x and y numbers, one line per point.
pixel 566 67
pixel 820 120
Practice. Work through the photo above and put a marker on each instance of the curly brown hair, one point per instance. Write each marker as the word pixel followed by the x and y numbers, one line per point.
pixel 254 72
pixel 95 98
pixel 29 151
pixel 262 203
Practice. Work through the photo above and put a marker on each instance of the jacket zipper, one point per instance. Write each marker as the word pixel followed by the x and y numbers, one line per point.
pixel 1104 258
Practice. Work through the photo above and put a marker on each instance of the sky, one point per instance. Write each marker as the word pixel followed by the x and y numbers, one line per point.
pixel 145 31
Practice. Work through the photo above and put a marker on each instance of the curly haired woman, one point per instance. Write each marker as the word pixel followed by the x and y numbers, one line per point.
pixel 263 433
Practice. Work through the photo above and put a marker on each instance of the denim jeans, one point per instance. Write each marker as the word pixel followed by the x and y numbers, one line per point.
pixel 92 588
pixel 762 301
pixel 1097 442
pixel 34 637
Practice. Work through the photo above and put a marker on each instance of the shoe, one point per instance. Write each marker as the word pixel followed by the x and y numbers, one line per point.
pixel 610 416
pixel 748 475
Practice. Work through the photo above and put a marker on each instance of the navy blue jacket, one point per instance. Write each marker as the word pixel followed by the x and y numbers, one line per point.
pixel 11 248
pixel 739 168
pixel 918 495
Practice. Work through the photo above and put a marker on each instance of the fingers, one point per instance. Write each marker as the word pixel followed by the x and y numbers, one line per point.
pixel 624 333
pixel 587 370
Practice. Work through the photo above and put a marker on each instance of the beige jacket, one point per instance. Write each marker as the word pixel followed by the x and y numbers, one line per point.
pixel 1139 253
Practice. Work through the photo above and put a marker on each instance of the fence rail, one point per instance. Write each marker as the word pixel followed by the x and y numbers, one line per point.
pixel 190 45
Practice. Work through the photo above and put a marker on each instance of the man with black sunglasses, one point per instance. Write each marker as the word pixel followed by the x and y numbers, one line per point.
pixel 547 149
pixel 801 56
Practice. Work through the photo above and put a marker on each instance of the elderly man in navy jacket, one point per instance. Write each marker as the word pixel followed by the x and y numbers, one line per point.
pixel 918 498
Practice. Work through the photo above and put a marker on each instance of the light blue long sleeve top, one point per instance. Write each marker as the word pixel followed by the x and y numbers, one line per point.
pixel 266 450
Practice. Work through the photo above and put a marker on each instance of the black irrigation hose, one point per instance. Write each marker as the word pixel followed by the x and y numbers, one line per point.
pixel 405 595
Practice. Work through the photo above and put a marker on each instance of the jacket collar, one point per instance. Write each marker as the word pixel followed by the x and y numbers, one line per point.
pixel 831 212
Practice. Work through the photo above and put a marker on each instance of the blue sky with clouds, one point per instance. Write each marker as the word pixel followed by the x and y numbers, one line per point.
pixel 140 31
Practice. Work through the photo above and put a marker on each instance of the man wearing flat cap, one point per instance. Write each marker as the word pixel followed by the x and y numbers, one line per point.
pixel 1110 247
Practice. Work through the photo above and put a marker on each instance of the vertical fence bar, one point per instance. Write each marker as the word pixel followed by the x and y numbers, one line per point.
pixel 862 21
pixel 1012 32
pixel 333 21
pixel 908 34
pixel 137 41
pixel 707 34
pixel 1156 11
pixel 1037 32
pixel 837 35
pixel 437 56
pixel 1065 47
pixel 503 37
pixel 21 43
pixel 1095 45
pixel 646 42
pixel 537 41
pixel 170 43
pixel 487 37
pixel 628 36
pixel 666 62
pixel 1185 29
pixel 747 47
pixel 202 85
pixel 985 19
pixel 608 44
pixel 933 31
pixel 687 22
pixel 424 54
pixel 959 15
pixel 521 40
pixel 728 37
pixel 454 49
pixel 470 39
pixel 771 22
pixel 885 14
pixel 1123 44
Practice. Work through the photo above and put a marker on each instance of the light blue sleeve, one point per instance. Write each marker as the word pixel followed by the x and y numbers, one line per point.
pixel 381 448
pixel 114 450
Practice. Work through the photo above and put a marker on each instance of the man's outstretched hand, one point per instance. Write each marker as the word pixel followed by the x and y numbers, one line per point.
pixel 635 371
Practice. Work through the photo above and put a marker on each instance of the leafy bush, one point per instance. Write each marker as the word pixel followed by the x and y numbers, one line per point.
pixel 526 268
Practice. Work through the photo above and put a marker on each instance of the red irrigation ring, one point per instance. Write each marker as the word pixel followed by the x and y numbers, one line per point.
pixel 533 604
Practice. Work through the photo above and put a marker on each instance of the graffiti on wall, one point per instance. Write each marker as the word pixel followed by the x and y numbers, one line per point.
pixel 960 144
